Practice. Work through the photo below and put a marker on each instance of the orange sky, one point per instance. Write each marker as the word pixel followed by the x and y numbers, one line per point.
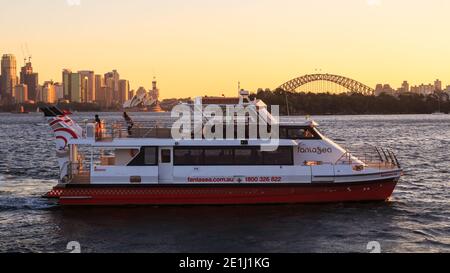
pixel 197 47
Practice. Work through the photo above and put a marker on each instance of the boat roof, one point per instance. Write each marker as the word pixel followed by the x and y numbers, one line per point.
pixel 161 142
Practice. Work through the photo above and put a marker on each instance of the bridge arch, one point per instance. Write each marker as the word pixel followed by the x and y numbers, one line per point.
pixel 351 85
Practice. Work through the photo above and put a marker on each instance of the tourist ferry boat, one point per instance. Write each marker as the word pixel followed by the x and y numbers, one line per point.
pixel 144 165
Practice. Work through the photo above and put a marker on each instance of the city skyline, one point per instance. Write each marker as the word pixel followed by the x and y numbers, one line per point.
pixel 82 86
pixel 199 48
pixel 109 89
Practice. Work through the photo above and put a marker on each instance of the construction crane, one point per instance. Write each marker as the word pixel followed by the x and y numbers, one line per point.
pixel 28 53
pixel 23 55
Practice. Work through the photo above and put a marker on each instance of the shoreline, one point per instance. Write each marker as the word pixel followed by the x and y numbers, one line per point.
pixel 291 104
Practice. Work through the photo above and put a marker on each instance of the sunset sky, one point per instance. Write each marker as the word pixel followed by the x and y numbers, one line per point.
pixel 197 47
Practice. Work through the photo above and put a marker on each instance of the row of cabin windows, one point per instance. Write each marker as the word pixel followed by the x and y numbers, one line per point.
pixel 192 156
pixel 232 156
pixel 284 133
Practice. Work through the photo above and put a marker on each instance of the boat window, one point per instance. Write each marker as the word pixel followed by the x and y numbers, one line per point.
pixel 243 156
pixel 299 133
pixel 147 157
pixel 166 156
pixel 282 156
pixel 186 156
pixel 257 157
pixel 247 156
pixel 283 133
pixel 218 156
pixel 180 156
pixel 150 155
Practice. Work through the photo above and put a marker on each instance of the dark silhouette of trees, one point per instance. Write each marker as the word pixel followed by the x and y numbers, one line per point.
pixel 350 104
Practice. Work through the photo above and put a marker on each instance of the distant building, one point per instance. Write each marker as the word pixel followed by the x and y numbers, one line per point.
pixel 378 89
pixel 59 90
pixel 9 76
pixel 20 93
pixel 423 89
pixel 88 78
pixel 124 89
pixel 99 91
pixel 154 93
pixel 384 89
pixel 66 83
pixel 405 87
pixel 437 85
pixel 114 78
pixel 47 93
pixel 75 90
pixel 131 94
pixel 31 79
pixel 109 91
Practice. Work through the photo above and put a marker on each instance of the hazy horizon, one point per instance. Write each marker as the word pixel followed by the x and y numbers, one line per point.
pixel 202 47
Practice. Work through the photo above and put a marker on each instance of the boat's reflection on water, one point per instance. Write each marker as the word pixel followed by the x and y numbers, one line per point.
pixel 263 228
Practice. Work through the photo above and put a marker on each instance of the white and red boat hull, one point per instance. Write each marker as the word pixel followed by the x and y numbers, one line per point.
pixel 224 194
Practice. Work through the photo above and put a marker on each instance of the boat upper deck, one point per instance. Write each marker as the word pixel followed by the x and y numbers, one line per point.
pixel 151 131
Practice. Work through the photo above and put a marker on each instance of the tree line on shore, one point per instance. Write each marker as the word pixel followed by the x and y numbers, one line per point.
pixel 298 103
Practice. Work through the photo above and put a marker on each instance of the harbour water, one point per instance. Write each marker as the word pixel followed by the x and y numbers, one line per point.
pixel 416 219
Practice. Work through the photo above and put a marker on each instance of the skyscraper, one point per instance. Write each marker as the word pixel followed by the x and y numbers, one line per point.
pixel 131 94
pixel 75 89
pixel 99 83
pixel 59 90
pixel 124 89
pixel 31 79
pixel 109 91
pixel 114 75
pixel 9 76
pixel 99 91
pixel 89 94
pixel 66 83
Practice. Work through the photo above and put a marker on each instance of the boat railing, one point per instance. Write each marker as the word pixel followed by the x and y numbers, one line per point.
pixel 136 129
pixel 372 156
pixel 143 129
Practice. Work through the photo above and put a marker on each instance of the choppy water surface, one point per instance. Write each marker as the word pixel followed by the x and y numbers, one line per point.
pixel 417 218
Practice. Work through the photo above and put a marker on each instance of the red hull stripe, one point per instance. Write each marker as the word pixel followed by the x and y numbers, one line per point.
pixel 72 133
pixel 225 195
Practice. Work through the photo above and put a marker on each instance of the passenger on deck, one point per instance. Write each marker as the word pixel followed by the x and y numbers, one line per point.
pixel 129 122
pixel 98 127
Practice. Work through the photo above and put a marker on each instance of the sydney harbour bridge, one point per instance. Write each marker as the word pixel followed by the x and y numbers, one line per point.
pixel 326 83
